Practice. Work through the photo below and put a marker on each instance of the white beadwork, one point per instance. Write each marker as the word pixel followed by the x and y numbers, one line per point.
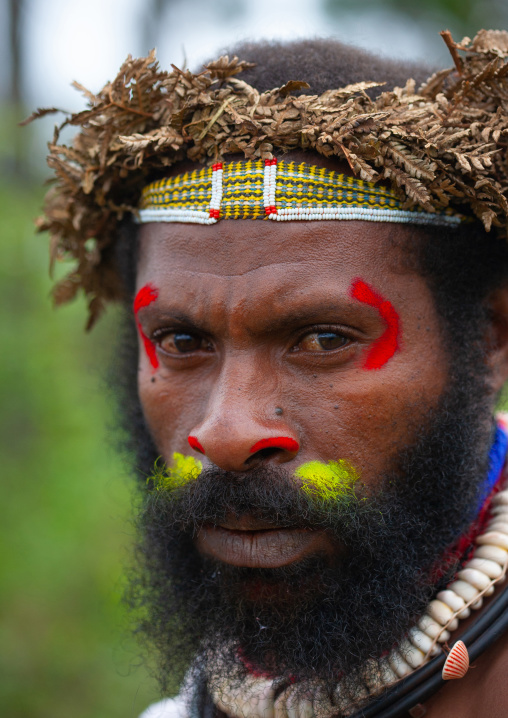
pixel 216 199
pixel 365 214
pixel 269 186
pixel 164 214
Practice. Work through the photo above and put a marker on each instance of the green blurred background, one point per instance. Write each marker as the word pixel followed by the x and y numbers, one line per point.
pixel 65 533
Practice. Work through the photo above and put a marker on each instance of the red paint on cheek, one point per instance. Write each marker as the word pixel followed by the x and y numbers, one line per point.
pixel 385 347
pixel 194 444
pixel 278 442
pixel 144 297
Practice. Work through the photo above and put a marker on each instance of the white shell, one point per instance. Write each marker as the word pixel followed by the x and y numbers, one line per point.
pixel 499 510
pixel 453 625
pixel 493 538
pixel 453 600
pixel 501 498
pixel 464 590
pixel 398 664
pixel 457 662
pixel 493 553
pixel 433 629
pixel 490 568
pixel 477 604
pixel 476 578
pixel 411 654
pixel 440 612
pixel 499 524
pixel 422 641
pixel 490 591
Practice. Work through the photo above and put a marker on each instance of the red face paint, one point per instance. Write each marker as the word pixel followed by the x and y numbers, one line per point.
pixel 194 444
pixel 144 297
pixel 385 347
pixel 278 442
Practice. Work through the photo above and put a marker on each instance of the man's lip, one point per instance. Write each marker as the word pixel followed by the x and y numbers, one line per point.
pixel 267 548
pixel 247 523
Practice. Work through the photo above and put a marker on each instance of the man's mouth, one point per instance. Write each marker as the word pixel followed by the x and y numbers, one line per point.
pixel 248 542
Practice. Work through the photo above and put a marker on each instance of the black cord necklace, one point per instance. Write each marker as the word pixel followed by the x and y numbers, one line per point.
pixel 427 680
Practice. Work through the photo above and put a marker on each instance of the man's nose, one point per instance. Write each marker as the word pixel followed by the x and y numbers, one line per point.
pixel 245 423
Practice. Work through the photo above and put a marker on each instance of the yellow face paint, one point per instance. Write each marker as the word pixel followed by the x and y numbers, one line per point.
pixel 182 470
pixel 327 482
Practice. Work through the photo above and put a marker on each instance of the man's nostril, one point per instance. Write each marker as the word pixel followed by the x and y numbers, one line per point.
pixel 262 455
pixel 277 442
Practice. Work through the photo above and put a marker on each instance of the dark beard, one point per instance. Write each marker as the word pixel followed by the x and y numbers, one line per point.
pixel 315 618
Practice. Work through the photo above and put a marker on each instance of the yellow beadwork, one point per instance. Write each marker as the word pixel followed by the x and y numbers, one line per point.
pixel 276 190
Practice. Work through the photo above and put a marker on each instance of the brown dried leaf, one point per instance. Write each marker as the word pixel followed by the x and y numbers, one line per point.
pixel 443 145
pixel 40 112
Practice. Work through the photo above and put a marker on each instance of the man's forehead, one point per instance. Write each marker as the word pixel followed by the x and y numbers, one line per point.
pixel 238 247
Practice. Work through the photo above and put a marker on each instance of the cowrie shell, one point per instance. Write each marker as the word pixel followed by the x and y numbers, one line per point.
pixel 501 498
pixel 476 578
pixel 493 538
pixel 440 612
pixel 455 602
pixel 422 641
pixel 499 523
pixel 433 629
pixel 457 662
pixel 490 568
pixel 398 664
pixel 411 654
pixel 493 553
pixel 464 590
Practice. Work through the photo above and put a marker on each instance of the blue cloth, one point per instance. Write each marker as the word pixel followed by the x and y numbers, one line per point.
pixel 497 457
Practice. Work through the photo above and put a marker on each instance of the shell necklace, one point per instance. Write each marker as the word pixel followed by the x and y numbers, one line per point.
pixel 260 698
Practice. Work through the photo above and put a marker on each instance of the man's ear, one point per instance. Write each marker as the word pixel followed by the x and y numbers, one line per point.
pixel 497 357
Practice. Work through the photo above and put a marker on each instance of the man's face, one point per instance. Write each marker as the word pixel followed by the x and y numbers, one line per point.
pixel 314 336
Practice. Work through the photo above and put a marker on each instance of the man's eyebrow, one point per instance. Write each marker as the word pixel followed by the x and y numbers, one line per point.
pixel 171 314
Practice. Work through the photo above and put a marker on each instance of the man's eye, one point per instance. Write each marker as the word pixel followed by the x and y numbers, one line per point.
pixel 181 343
pixel 322 341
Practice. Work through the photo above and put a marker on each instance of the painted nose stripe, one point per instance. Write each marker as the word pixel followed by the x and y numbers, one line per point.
pixel 195 444
pixel 277 442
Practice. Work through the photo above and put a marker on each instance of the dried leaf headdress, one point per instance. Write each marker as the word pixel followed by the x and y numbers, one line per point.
pixel 442 145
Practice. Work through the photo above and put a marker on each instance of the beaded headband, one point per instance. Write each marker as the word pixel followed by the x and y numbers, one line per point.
pixel 276 190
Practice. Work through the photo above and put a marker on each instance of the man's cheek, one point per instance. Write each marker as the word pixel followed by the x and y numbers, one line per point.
pixel 169 410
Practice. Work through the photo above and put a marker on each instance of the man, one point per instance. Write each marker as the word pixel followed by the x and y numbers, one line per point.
pixel 310 397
